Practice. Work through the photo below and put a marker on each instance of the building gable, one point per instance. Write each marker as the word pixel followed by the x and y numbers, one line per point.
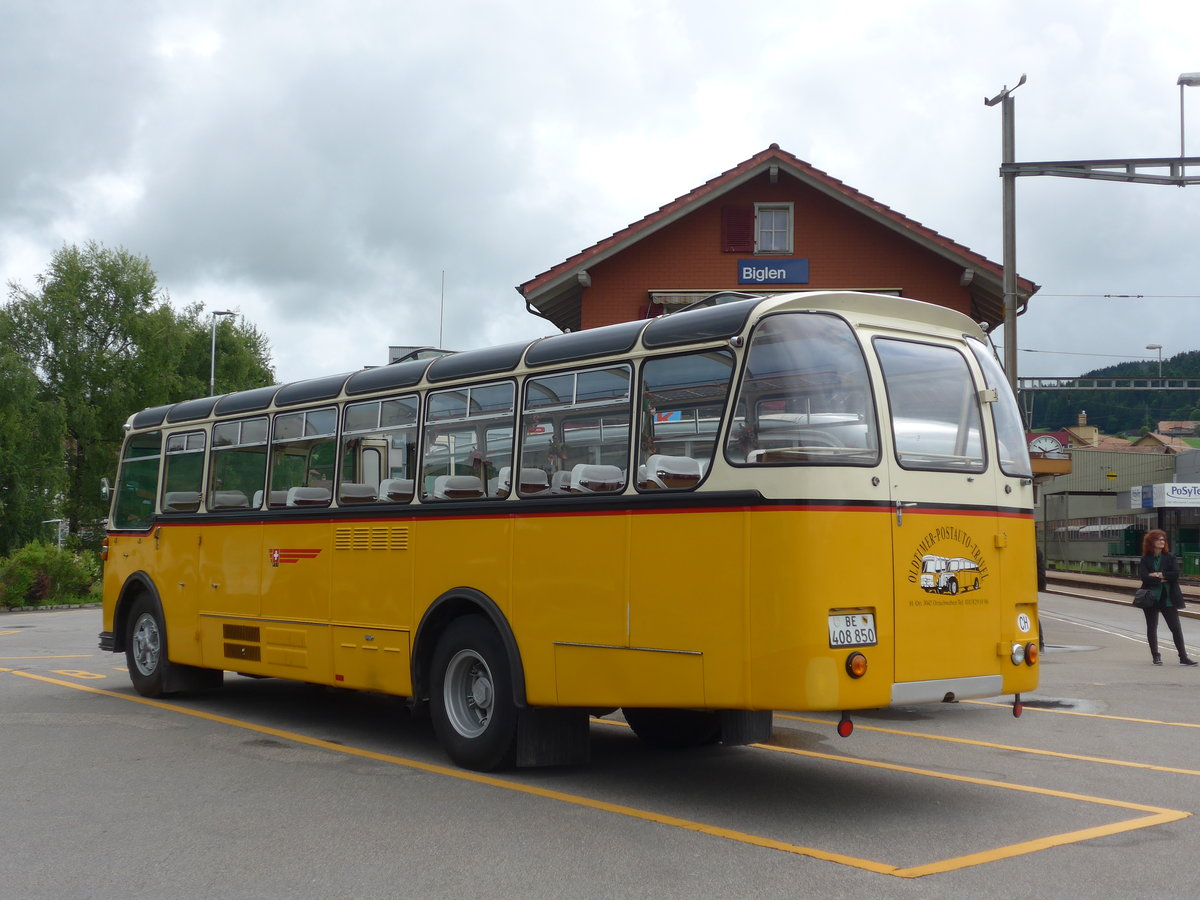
pixel 840 239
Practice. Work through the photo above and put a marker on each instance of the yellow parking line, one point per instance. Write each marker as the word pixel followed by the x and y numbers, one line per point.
pixel 1075 712
pixel 1015 749
pixel 1157 815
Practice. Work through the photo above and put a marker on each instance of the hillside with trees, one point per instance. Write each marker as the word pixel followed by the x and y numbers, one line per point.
pixel 1128 412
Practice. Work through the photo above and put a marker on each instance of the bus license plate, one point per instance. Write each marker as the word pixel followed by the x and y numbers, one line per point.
pixel 856 630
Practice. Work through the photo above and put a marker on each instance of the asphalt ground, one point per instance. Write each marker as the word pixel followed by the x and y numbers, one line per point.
pixel 270 788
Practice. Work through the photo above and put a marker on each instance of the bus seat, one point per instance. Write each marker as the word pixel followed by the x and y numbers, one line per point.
pixel 671 472
pixel 307 496
pixel 560 483
pixel 396 490
pixel 277 499
pixel 534 481
pixel 457 487
pixel 587 479
pixel 228 500
pixel 256 503
pixel 501 485
pixel 181 501
pixel 353 492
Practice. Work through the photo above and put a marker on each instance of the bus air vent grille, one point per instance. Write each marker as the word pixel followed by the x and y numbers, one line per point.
pixel 370 538
pixel 242 651
pixel 248 633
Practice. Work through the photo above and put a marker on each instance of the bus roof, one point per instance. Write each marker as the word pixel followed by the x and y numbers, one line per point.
pixel 724 317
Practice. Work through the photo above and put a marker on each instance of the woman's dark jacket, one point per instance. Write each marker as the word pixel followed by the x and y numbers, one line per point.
pixel 1170 573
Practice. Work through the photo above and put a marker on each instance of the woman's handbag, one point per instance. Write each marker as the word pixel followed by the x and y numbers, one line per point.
pixel 1144 598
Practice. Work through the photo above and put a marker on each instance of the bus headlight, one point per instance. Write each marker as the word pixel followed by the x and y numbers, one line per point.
pixel 1018 654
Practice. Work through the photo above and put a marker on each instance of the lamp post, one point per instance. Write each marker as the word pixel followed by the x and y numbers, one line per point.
pixel 1157 347
pixel 1187 79
pixel 212 359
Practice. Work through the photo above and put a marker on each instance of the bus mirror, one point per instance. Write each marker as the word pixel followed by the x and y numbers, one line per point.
pixel 105 489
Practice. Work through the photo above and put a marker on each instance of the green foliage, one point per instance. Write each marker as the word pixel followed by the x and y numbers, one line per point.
pixel 31 454
pixel 97 341
pixel 1123 411
pixel 40 574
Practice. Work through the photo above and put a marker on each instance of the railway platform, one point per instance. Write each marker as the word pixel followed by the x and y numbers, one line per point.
pixel 1114 588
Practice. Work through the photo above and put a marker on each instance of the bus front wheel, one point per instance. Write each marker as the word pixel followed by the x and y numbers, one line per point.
pixel 471 696
pixel 146 648
pixel 674 729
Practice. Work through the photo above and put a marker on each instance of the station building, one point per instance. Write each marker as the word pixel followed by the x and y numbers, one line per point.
pixel 772 223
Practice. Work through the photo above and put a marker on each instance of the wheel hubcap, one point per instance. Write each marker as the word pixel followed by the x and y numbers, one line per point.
pixel 147 644
pixel 469 693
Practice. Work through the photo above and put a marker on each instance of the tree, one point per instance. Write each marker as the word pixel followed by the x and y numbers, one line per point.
pixel 104 342
pixel 31 459
pixel 243 355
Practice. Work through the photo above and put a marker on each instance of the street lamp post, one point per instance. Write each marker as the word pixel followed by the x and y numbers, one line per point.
pixel 1157 347
pixel 212 359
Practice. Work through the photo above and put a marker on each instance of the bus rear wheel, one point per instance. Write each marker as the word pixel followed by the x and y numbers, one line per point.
pixel 146 648
pixel 471 696
pixel 674 729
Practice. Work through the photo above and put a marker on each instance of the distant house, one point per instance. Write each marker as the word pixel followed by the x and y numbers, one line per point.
pixel 1085 436
pixel 1161 443
pixel 1177 429
pixel 771 224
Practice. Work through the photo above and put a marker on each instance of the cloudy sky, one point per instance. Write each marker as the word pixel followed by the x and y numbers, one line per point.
pixel 321 167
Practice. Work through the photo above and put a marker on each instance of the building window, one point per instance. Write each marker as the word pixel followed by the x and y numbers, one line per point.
pixel 773 227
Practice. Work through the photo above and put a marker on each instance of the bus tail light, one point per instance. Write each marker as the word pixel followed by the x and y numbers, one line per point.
pixel 1031 654
pixel 1018 654
pixel 104 549
pixel 856 665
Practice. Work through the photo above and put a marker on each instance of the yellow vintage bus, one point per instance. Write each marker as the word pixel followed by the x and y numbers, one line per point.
pixel 699 519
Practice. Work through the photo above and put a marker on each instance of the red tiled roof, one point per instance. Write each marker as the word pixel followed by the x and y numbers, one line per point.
pixel 743 171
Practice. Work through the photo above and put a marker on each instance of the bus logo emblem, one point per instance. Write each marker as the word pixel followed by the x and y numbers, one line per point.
pixel 278 556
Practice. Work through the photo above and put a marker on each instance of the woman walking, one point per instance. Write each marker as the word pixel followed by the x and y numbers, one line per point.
pixel 1159 569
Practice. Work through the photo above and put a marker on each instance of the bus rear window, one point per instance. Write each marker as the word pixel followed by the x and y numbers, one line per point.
pixel 934 406
pixel 805 397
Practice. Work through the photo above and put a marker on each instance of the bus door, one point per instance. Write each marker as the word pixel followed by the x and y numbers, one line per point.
pixel 943 522
pixel 297 534
pixel 231 543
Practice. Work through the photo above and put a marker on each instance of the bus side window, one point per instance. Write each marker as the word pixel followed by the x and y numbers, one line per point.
pixel 183 472
pixel 237 464
pixel 303 450
pixel 378 448
pixel 683 398
pixel 575 433
pixel 468 441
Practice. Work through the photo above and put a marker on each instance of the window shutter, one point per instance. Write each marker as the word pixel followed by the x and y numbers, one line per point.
pixel 737 229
